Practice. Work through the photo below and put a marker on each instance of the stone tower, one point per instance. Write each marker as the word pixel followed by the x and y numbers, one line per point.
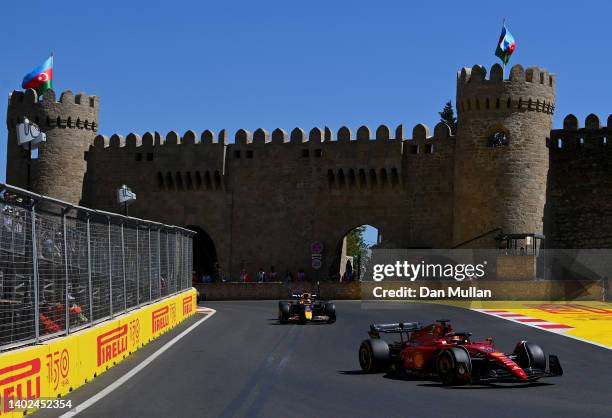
pixel 501 160
pixel 70 126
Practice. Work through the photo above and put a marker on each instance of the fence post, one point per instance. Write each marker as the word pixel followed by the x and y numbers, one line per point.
pixel 137 268
pixel 159 275
pixel 35 274
pixel 150 281
pixel 168 281
pixel 123 268
pixel 178 263
pixel 67 302
pixel 91 318
pixel 110 269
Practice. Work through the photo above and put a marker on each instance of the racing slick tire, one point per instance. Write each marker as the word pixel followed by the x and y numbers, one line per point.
pixel 530 355
pixel 374 355
pixel 284 312
pixel 330 311
pixel 454 366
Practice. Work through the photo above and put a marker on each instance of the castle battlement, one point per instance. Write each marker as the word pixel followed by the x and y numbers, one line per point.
pixel 531 90
pixel 593 136
pixel 261 137
pixel 71 111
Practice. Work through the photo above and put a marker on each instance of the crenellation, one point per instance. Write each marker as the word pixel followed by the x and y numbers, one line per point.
pixel 67 97
pixel 592 122
pixel 344 134
pixel 328 135
pixel 207 137
pixel 420 132
pixel 148 139
pixel 81 98
pixel 315 136
pixel 117 141
pixel 298 136
pixel 383 133
pixel 399 132
pixel 172 138
pixel 223 137
pixel 49 97
pixel 243 137
pixel 570 123
pixel 190 138
pixel 101 142
pixel 261 137
pixel 442 131
pixel 363 133
pixel 133 141
pixel 517 73
pixel 279 136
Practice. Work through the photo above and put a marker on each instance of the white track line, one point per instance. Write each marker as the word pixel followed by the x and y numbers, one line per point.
pixel 544 329
pixel 117 383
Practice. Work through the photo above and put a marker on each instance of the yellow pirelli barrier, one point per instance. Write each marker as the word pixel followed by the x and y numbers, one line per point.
pixel 52 369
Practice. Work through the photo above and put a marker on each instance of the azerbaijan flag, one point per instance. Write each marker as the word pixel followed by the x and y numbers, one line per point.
pixel 41 78
pixel 505 46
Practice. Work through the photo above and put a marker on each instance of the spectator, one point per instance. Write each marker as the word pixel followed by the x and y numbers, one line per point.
pixel 273 274
pixel 243 276
pixel 288 277
pixel 261 275
pixel 194 278
pixel 301 276
pixel 349 268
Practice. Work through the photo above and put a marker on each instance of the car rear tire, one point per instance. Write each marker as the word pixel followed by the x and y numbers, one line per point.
pixel 330 311
pixel 284 312
pixel 454 366
pixel 374 356
pixel 530 355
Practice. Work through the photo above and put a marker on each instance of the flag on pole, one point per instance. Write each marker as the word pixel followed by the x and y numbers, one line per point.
pixel 505 46
pixel 41 78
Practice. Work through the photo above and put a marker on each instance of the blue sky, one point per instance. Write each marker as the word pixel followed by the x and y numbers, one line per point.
pixel 243 64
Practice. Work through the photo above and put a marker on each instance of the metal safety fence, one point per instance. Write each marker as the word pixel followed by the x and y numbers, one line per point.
pixel 65 267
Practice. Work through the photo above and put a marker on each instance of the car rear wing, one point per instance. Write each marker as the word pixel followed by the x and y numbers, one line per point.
pixel 396 328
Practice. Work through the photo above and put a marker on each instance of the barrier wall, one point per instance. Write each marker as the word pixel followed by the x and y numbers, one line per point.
pixel 58 366
pixel 500 289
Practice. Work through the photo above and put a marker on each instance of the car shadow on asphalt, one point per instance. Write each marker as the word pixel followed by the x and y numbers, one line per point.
pixel 276 322
pixel 432 383
pixel 488 385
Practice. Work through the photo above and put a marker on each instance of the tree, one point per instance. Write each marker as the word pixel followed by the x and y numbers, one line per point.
pixel 355 243
pixel 447 115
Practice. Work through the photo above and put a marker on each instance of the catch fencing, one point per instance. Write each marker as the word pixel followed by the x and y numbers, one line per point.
pixel 64 267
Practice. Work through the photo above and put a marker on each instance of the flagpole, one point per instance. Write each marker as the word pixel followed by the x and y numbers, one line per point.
pixel 503 62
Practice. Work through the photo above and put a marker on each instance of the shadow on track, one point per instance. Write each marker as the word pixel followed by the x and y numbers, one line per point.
pixel 433 382
pixel 275 322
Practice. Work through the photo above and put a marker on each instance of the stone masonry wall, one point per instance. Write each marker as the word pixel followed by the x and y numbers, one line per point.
pixel 579 193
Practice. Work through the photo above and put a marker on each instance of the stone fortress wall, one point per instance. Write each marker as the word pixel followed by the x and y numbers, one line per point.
pixel 265 198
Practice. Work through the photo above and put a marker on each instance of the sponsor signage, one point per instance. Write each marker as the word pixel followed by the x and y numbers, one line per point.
pixel 19 381
pixel 160 319
pixel 111 344
pixel 187 305
pixel 316 254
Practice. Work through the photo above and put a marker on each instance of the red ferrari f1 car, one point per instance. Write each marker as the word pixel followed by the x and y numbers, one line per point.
pixel 437 350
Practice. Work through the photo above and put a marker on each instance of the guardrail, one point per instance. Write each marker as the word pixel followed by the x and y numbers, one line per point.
pixel 64 267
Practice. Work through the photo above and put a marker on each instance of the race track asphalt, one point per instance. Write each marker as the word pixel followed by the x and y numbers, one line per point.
pixel 242 363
